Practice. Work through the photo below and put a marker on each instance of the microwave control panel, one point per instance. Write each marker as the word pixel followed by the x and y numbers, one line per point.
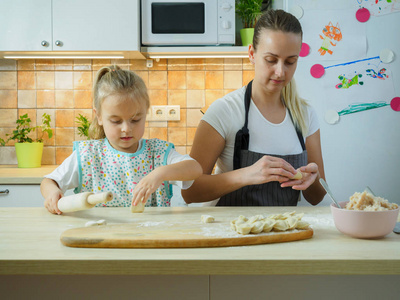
pixel 226 22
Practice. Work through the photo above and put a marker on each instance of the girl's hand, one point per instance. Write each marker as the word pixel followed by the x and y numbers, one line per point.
pixel 51 202
pixel 267 169
pixel 310 173
pixel 146 187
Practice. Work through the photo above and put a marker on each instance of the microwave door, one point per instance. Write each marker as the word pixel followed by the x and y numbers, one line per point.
pixel 181 23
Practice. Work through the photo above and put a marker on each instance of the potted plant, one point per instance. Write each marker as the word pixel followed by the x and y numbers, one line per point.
pixel 249 11
pixel 83 128
pixel 29 152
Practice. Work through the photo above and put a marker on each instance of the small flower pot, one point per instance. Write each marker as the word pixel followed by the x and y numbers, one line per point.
pixel 29 155
pixel 246 34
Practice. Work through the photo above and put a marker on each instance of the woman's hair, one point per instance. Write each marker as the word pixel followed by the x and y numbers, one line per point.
pixel 112 80
pixel 279 20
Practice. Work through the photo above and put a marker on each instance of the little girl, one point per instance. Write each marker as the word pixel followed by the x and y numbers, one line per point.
pixel 117 159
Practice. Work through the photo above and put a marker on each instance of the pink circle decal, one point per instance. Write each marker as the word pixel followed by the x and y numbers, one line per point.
pixel 395 104
pixel 305 50
pixel 317 70
pixel 362 15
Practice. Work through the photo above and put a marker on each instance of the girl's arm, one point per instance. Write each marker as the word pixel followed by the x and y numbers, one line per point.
pixel 207 147
pixel 182 171
pixel 51 194
pixel 66 176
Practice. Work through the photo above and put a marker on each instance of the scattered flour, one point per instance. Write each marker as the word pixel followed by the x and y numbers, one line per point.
pixel 150 224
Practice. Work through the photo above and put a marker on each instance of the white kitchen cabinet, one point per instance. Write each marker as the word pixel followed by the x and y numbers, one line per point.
pixel 92 25
pixel 25 25
pixel 73 25
pixel 22 195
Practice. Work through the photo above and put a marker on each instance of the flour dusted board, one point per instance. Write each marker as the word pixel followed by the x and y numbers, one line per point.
pixel 171 235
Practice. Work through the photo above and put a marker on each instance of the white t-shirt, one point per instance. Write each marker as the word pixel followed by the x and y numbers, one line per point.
pixel 227 116
pixel 67 174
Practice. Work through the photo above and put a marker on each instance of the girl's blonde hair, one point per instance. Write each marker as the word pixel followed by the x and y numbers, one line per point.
pixel 113 80
pixel 279 20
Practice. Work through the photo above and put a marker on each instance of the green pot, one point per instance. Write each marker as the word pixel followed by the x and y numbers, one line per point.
pixel 29 155
pixel 246 34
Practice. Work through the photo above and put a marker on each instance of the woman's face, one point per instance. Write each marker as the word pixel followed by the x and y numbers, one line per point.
pixel 123 121
pixel 275 60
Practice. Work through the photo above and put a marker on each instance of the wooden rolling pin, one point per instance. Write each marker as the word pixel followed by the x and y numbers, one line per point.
pixel 83 201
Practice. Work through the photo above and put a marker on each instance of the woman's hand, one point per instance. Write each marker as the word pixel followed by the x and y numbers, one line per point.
pixel 310 173
pixel 267 169
pixel 146 186
pixel 51 201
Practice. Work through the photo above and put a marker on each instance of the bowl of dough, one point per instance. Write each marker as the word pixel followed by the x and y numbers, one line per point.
pixel 365 216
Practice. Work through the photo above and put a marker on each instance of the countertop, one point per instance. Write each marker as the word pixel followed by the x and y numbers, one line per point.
pixel 11 174
pixel 30 244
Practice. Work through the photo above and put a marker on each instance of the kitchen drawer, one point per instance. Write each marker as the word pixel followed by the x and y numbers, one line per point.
pixel 22 195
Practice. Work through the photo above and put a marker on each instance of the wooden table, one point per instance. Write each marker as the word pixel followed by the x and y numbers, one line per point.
pixel 30 246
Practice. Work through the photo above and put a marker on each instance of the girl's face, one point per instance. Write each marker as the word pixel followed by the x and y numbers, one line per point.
pixel 275 60
pixel 123 121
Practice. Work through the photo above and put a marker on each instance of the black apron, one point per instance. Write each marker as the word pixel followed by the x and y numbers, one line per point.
pixel 266 194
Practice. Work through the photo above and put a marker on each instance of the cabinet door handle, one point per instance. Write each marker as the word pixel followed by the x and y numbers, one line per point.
pixel 44 43
pixel 4 192
pixel 58 43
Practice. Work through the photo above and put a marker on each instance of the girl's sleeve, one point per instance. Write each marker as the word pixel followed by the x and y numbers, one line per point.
pixel 67 174
pixel 175 157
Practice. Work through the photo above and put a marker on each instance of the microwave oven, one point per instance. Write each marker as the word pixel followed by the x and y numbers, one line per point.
pixel 188 22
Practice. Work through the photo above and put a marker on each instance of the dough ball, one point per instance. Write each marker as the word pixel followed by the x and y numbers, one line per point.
pixel 298 175
pixel 302 225
pixel 258 226
pixel 287 215
pixel 292 222
pixel 243 228
pixel 101 222
pixel 281 225
pixel 95 223
pixel 139 208
pixel 91 223
pixel 242 218
pixel 207 219
pixel 268 225
pixel 255 218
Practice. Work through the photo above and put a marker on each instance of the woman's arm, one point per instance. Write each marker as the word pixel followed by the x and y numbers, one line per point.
pixel 207 147
pixel 313 192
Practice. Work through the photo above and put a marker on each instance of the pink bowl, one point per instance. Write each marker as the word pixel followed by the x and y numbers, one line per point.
pixel 364 224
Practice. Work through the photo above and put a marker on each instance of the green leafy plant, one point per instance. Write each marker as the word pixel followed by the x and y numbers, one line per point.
pixel 24 127
pixel 83 128
pixel 249 11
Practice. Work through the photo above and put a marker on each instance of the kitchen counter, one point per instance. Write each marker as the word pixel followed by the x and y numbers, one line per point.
pixel 30 244
pixel 11 174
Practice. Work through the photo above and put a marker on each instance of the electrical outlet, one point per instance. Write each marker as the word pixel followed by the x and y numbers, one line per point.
pixel 173 112
pixel 158 113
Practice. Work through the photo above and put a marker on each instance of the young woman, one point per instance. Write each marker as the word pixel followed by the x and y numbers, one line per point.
pixel 259 136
